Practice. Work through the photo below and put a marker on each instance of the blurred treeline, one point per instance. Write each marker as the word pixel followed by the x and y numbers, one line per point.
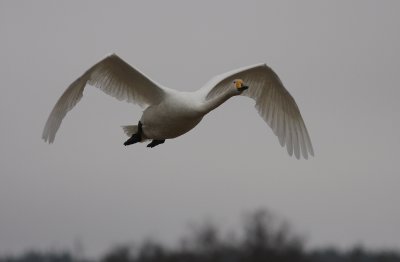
pixel 264 238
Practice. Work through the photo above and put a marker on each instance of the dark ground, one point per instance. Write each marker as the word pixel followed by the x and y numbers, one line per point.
pixel 264 238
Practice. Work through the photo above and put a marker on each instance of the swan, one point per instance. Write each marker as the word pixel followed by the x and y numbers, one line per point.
pixel 170 113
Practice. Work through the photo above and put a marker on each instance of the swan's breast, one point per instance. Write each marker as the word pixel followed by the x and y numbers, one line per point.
pixel 173 117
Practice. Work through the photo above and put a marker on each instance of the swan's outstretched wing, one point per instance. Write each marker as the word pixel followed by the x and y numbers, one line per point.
pixel 273 102
pixel 113 76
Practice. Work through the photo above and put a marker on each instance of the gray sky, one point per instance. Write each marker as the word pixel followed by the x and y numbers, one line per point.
pixel 339 59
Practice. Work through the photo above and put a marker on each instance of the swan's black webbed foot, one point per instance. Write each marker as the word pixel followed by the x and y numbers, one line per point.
pixel 135 138
pixel 155 143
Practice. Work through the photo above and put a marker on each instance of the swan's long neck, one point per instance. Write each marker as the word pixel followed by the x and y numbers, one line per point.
pixel 216 101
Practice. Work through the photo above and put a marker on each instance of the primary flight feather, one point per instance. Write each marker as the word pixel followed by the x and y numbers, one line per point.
pixel 170 113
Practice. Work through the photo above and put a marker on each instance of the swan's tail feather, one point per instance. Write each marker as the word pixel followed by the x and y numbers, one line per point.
pixel 130 130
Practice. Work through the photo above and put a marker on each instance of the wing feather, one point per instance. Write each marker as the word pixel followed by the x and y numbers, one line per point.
pixel 114 77
pixel 273 102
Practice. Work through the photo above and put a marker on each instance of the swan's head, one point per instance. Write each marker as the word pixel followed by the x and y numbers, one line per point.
pixel 239 85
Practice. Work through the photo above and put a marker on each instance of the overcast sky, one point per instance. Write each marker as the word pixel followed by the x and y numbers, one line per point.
pixel 339 59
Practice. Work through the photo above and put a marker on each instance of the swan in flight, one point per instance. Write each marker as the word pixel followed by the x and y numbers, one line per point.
pixel 169 113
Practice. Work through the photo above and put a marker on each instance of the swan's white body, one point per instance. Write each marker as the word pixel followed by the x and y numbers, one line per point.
pixel 174 116
pixel 169 113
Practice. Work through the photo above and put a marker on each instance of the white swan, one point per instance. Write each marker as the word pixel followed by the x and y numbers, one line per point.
pixel 170 113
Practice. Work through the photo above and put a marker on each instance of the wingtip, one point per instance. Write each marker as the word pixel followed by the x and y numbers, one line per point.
pixel 312 153
pixel 47 140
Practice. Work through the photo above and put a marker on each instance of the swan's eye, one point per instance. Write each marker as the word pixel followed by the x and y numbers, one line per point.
pixel 234 82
